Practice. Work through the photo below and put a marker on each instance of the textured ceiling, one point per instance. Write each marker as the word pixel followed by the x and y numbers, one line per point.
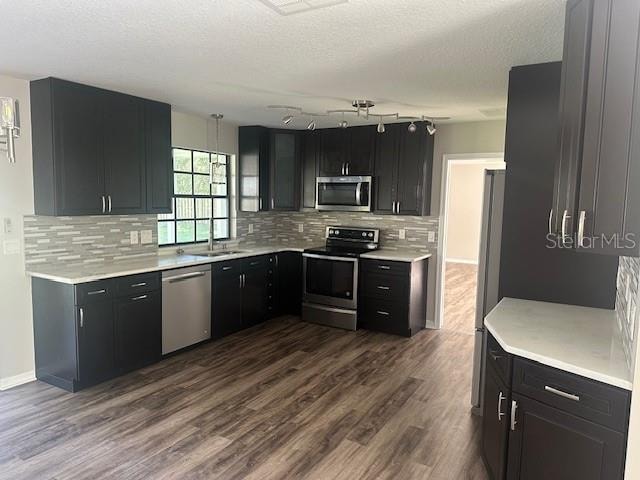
pixel 432 57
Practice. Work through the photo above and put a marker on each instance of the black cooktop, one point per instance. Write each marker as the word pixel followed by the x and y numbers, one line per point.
pixel 339 251
pixel 348 242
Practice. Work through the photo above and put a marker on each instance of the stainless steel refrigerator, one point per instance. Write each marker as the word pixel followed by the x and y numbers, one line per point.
pixel 488 273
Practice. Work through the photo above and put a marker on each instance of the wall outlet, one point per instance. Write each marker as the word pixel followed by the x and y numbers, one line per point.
pixel 300 227
pixel 133 237
pixel 146 237
pixel 251 228
pixel 402 234
pixel 7 225
pixel 431 237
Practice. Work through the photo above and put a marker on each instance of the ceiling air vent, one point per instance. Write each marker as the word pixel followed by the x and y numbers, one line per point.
pixel 291 7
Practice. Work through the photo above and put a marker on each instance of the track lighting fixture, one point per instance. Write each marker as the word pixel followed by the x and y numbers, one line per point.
pixel 381 127
pixel 431 128
pixel 412 127
pixel 312 125
pixel 286 120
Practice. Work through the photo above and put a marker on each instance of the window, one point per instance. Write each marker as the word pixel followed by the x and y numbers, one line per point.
pixel 200 193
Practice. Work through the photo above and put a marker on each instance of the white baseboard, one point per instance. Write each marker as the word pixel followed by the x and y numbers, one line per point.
pixel 461 260
pixel 10 382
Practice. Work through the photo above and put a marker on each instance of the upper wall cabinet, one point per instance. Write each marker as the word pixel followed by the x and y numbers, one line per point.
pixel 347 151
pixel 596 205
pixel 403 170
pixel 284 167
pixel 99 152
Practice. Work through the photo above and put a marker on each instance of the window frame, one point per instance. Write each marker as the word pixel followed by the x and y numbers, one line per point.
pixel 193 196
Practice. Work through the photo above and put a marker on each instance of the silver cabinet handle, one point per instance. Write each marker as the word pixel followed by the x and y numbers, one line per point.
pixel 384 267
pixel 551 222
pixel 253 264
pixel 581 220
pixel 244 280
pixel 383 287
pixel 81 317
pixel 224 269
pixel 398 207
pixel 382 312
pixel 514 408
pixel 97 292
pixel 277 261
pixel 562 394
pixel 109 198
pixel 565 217
pixel 104 205
pixel 260 207
pixel 141 284
pixel 393 207
pixel 141 297
pixel 344 168
pixel 348 168
pixel 501 398
pixel 240 279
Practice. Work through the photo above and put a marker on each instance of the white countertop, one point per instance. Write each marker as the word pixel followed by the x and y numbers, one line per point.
pixel 397 255
pixel 580 340
pixel 74 274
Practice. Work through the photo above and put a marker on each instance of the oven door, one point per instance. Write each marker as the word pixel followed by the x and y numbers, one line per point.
pixel 343 193
pixel 330 280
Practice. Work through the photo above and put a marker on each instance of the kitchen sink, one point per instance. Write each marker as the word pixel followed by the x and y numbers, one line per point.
pixel 219 253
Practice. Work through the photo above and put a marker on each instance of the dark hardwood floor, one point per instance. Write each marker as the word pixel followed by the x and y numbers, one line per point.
pixel 283 400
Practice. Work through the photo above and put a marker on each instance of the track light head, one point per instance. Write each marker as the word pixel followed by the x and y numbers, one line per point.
pixel 312 125
pixel 412 127
pixel 431 128
pixel 381 128
pixel 343 124
pixel 286 120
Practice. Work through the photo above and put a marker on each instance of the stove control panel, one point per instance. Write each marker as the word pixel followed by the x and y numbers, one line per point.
pixel 354 234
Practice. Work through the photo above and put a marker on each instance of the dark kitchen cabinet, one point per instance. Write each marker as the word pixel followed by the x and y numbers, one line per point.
pixel 90 150
pixel 530 267
pixel 288 289
pixel 226 303
pixel 362 143
pixel 253 169
pixel 310 152
pixel 495 424
pixel 138 330
pixel 597 189
pixel 159 162
pixel 255 296
pixel 124 153
pixel 403 169
pixel 96 339
pixel 334 152
pixel 552 444
pixel 284 170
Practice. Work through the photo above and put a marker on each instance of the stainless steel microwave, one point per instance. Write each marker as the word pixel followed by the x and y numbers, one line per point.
pixel 352 194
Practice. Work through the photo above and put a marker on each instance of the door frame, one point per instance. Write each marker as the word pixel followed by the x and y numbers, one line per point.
pixel 448 160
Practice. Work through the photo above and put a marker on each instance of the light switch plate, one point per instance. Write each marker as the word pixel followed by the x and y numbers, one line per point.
pixel 133 237
pixel 7 225
pixel 146 237
pixel 402 234
pixel 431 237
pixel 11 247
pixel 251 228
pixel 300 227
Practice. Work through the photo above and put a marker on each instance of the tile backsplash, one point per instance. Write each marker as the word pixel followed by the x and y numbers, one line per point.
pixel 626 305
pixel 87 239
pixel 284 228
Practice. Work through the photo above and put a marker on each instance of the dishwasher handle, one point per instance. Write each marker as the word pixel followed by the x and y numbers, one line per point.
pixel 184 276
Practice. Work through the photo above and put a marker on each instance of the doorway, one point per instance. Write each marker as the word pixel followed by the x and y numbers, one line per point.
pixel 461 220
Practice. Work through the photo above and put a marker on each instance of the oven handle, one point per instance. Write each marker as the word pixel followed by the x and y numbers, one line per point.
pixel 328 257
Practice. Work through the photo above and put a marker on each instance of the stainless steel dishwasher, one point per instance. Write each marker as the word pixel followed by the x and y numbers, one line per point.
pixel 186 307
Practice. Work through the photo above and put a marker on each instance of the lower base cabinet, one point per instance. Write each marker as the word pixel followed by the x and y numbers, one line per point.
pixel 495 424
pixel 95 342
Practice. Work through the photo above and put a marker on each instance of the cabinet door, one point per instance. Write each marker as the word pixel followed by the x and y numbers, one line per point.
pixel 495 424
pixel 253 169
pixel 124 153
pixel 362 150
pixel 138 330
pixel 333 151
pixel 78 145
pixel 310 154
pixel 414 171
pixel 289 283
pixel 385 183
pixel 96 342
pixel 284 171
pixel 551 444
pixel 226 305
pixel 609 198
pixel 159 174
pixel 255 296
pixel 572 99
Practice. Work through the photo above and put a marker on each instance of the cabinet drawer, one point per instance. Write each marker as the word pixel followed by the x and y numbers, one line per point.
pixel 501 361
pixel 384 316
pixel 386 267
pixel 261 261
pixel 580 396
pixel 387 287
pixel 229 266
pixel 94 291
pixel 145 282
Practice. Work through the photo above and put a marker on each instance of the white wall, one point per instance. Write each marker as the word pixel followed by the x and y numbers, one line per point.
pixel 196 132
pixel 464 205
pixel 16 200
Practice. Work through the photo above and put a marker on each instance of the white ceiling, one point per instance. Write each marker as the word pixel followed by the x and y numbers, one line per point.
pixel 431 57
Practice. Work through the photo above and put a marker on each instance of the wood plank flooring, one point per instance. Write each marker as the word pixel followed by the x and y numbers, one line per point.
pixel 285 399
pixel 461 287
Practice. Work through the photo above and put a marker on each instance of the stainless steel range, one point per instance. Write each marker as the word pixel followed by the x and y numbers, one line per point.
pixel 331 276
